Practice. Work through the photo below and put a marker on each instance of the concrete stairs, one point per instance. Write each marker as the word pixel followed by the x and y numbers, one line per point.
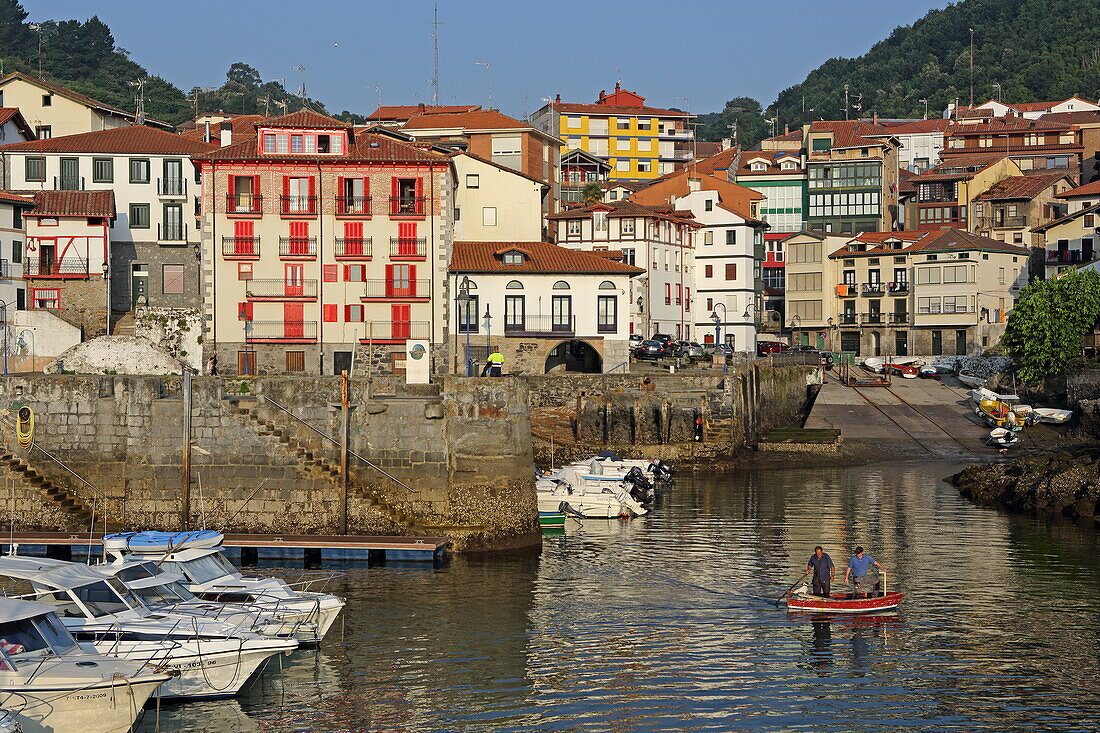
pixel 311 461
pixel 124 325
pixel 718 424
pixel 68 502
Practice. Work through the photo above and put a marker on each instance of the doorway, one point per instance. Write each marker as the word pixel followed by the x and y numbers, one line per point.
pixel 574 356
pixel 341 362
pixel 139 285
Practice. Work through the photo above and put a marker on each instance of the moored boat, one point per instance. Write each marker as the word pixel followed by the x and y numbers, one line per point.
pixel 904 370
pixel 1053 415
pixel 802 601
pixel 1003 438
pixel 551 520
pixel 998 414
pixel 970 378
pixel 873 364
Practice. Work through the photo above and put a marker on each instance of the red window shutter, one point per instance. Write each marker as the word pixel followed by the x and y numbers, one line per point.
pixel 347 273
pixel 311 204
pixel 347 313
pixel 286 185
pixel 330 273
pixel 331 313
pixel 353 230
pixel 400 328
pixel 395 186
pixel 299 228
pixel 242 228
pixel 419 204
pixel 406 230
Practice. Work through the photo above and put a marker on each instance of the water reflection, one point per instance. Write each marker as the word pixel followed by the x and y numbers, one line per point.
pixel 669 622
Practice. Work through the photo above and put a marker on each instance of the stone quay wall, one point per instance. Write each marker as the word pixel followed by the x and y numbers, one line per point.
pixel 463 449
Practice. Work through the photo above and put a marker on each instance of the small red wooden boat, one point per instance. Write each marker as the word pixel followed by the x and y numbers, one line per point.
pixel 841 603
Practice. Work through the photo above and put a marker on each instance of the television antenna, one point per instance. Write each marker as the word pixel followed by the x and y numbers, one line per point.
pixel 435 50
pixel 489 66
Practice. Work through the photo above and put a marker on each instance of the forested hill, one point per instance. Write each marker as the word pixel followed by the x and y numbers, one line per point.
pixel 1037 50
pixel 83 56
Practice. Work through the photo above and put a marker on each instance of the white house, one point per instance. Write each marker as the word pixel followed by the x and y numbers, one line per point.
pixel 546 308
pixel 921 143
pixel 13 236
pixel 494 203
pixel 13 127
pixel 155 253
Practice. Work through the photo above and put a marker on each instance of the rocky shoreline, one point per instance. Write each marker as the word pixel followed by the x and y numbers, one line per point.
pixel 1065 482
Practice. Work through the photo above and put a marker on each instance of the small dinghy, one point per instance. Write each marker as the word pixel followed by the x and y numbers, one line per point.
pixel 1003 438
pixel 150 541
pixel 998 414
pixel 981 393
pixel 801 600
pixel 970 379
pixel 904 370
pixel 1053 415
pixel 929 372
pixel 873 364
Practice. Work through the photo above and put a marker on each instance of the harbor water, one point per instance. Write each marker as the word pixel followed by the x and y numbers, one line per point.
pixel 667 623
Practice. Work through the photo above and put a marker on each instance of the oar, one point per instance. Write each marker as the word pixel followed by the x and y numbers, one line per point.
pixel 795 583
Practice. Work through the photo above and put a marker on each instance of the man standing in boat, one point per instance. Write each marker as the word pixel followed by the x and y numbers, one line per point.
pixel 858 567
pixel 821 565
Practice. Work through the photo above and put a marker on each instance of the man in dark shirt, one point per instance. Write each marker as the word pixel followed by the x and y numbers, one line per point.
pixel 821 565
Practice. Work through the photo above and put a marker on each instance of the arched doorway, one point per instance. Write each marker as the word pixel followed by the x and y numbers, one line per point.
pixel 574 356
pixel 876 343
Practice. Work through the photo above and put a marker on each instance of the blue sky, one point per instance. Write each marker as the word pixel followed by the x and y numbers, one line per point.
pixel 707 51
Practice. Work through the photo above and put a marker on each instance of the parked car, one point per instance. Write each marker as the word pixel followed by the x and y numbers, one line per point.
pixel 763 348
pixel 635 341
pixel 664 338
pixel 650 349
pixel 711 350
pixel 687 349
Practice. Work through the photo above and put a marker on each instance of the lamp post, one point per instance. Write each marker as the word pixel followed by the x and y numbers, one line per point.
pixel 107 298
pixel 832 325
pixel 796 322
pixel 463 299
pixel 925 100
pixel 718 332
pixel 488 323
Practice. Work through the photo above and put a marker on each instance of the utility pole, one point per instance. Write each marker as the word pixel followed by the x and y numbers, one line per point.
pixel 185 495
pixel 435 49
pixel 971 67
pixel 139 115
pixel 302 69
pixel 488 65
pixel 845 101
pixel 378 89
pixel 37 28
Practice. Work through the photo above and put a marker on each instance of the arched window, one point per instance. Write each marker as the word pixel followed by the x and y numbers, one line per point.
pixel 514 285
pixel 607 285
pixel 561 285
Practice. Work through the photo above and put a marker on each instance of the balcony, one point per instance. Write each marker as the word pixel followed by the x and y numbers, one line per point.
pixel 244 203
pixel 397 289
pixel 898 288
pixel 676 134
pixel 1068 256
pixel 872 319
pixel 172 233
pixel 846 290
pixel 280 289
pixel 70 267
pixel 284 331
pixel 383 331
pixel 298 247
pixel 354 248
pixel 353 205
pixel 408 248
pixel 1002 222
pixel 298 205
pixel 407 205
pixel 241 247
pixel 876 288
pixel 848 319
pixel 171 187
pixel 897 319
pixel 550 326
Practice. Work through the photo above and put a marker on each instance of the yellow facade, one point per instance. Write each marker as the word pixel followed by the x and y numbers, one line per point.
pixel 631 144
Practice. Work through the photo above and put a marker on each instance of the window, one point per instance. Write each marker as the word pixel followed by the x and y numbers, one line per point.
pixel 507 145
pixel 514 313
pixel 355 273
pixel 607 314
pixel 244 271
pixel 1000 276
pixel 804 281
pixel 473 180
pixel 573 122
pixel 353 313
pixel 708 205
pixel 295 361
pixel 954 304
pixel 645 146
pixel 139 216
pixel 514 285
pixel 468 314
pixel 489 216
pixel 708 270
pixel 45 298
pixel 731 236
pixel 928 276
pixel 561 309
pixel 103 170
pixel 954 274
pixel 731 271
pixel 626 226
pixel 622 123
pixel 573 229
pixel 928 305
pixel 172 282
pixel 35 168
pixel 17 251
pixel 623 166
pixel 708 237
pixel 43 132
pixel 806 310
pixel 513 257
pixel 628 256
pixel 644 166
pixel 561 285
pixel 269 143
pixel 1088 221
pixel 139 170
pixel 758 167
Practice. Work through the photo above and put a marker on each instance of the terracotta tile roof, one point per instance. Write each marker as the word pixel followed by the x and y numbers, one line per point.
pixel 488 119
pixel 905 180
pixel 623 208
pixel 77 97
pixel 1089 189
pixel 366 147
pixel 772 159
pixel 704 149
pixel 1020 187
pixel 74 203
pixel 852 133
pixel 408 111
pixel 1083 117
pixel 951 240
pixel 306 118
pixel 131 139
pixel 875 241
pixel 607 109
pixel 732 197
pixel 910 128
pixel 718 162
pixel 541 257
pixel 957 168
pixel 11 197
pixel 794 136
pixel 1007 124
pixel 13 113
pixel 241 125
pixel 1033 106
pixel 1068 217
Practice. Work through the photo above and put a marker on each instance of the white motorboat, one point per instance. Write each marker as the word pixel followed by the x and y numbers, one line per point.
pixel 214 658
pixel 981 393
pixel 1002 437
pixel 51 684
pixel 874 364
pixel 655 468
pixel 211 577
pixel 592 499
pixel 1053 415
pixel 970 378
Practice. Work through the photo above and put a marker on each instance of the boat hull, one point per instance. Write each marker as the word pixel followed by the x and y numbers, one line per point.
pixel 552 520
pixel 841 604
pixel 110 707
pixel 593 506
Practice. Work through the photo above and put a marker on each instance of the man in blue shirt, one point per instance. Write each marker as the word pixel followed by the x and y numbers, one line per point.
pixel 858 567
pixel 821 565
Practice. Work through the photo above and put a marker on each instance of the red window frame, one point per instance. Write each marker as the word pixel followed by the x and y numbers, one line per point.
pixel 360 270
pixel 34 297
pixel 401 321
pixel 330 312
pixel 353 309
pixel 330 273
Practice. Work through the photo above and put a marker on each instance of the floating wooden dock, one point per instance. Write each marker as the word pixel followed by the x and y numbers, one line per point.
pixel 253 549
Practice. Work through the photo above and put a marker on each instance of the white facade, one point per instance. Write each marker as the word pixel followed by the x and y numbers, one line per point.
pixel 495 204
pixel 13 236
pixel 919 151
pixel 54 111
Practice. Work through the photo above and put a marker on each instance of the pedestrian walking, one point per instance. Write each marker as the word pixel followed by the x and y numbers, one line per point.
pixel 212 365
pixel 493 363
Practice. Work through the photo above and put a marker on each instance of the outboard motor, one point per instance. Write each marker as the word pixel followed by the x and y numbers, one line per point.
pixel 595 467
pixel 564 508
pixel 641 488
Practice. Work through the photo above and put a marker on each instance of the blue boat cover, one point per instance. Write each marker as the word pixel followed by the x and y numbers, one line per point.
pixel 166 540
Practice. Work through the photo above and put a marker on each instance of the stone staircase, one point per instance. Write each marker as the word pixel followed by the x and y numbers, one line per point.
pixel 309 460
pixel 68 502
pixel 719 418
pixel 124 326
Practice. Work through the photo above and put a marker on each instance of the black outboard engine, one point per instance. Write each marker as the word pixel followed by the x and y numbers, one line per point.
pixel 661 471
pixel 641 488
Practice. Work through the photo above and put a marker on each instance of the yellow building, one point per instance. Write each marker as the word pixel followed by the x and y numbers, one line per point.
pixel 640 143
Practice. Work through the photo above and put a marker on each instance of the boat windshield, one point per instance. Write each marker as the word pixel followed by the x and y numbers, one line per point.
pixel 208 567
pixel 104 598
pixel 137 572
pixel 56 634
pixel 164 595
pixel 21 640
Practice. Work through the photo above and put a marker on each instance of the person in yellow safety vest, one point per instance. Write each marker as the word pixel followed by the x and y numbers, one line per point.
pixel 493 363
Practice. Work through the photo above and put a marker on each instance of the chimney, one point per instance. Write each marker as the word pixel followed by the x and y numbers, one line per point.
pixel 875 118
pixel 617 87
pixel 206 132
pixel 557 99
pixel 695 184
pixel 421 105
pixel 602 97
pixel 727 143
pixel 226 133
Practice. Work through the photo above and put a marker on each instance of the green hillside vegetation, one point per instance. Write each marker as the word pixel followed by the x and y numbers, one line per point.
pixel 1037 50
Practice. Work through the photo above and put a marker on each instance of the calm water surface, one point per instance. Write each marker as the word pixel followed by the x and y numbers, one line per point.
pixel 662 623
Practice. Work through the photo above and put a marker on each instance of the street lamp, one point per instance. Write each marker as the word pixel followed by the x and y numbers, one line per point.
pixel 107 297
pixel 488 323
pixel 832 325
pixel 796 322
pixel 718 332
pixel 998 88
pixel 463 299
pixel 925 100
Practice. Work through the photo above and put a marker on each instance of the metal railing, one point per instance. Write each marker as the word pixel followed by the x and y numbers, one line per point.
pixel 1069 255
pixel 68 183
pixel 898 287
pixel 408 247
pixel 535 325
pixel 354 246
pixel 407 205
pixel 848 319
pixel 280 330
pixel 1003 222
pixel 396 330
pixel 275 288
pixel 171 232
pixel 298 204
pixel 241 246
pixel 71 266
pixel 297 246
pixel 244 203
pixel 171 186
pixel 353 205
pixel 420 288
pixel 874 288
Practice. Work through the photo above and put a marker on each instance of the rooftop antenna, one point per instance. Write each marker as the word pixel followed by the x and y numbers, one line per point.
pixel 37 27
pixel 139 114
pixel 302 91
pixel 435 49
pixel 618 76
pixel 377 88
pixel 488 65
pixel 845 101
pixel 971 67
